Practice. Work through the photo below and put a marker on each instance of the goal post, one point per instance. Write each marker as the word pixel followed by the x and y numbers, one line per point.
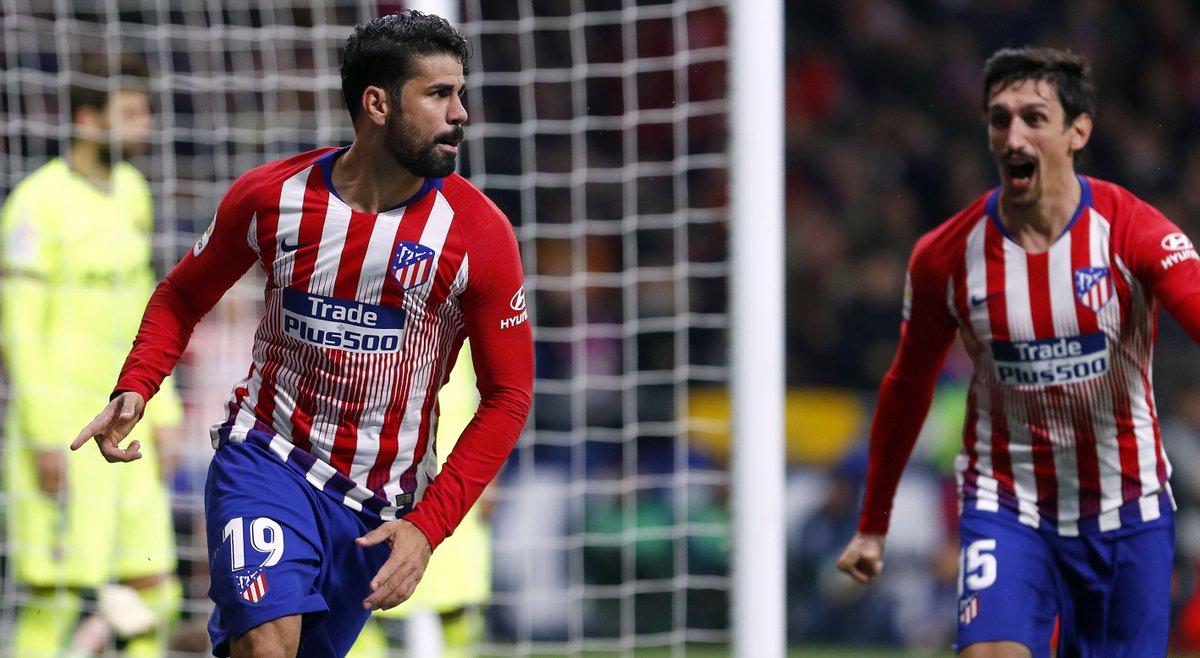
pixel 757 327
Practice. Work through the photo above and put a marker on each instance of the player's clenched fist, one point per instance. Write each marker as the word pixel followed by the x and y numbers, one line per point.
pixel 863 557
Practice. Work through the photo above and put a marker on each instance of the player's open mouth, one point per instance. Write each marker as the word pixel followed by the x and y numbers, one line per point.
pixel 1020 173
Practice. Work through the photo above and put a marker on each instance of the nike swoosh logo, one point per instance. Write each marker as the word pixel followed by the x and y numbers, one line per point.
pixel 976 301
pixel 285 247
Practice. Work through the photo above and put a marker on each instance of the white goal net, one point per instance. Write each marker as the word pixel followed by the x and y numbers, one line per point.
pixel 600 128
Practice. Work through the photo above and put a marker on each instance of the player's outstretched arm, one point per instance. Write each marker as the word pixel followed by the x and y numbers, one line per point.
pixel 863 557
pixel 112 425
pixel 398 577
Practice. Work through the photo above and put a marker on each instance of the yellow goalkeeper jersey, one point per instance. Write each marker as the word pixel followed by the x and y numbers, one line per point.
pixel 77 266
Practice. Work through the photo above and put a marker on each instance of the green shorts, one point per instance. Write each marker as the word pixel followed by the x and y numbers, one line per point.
pixel 112 523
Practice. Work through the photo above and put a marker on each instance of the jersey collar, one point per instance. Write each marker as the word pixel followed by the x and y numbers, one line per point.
pixel 326 164
pixel 1085 201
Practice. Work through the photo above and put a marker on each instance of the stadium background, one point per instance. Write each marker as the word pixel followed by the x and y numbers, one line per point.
pixel 599 127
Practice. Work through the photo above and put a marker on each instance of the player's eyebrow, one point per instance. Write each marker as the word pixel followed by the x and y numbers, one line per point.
pixel 438 87
pixel 1026 107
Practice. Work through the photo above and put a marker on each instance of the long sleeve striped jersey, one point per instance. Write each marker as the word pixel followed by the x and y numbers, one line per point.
pixel 1061 427
pixel 365 314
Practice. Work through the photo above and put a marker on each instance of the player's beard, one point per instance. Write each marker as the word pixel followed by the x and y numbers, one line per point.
pixel 417 154
pixel 110 156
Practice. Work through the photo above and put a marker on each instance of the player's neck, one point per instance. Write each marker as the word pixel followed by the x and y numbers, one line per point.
pixel 1038 226
pixel 84 159
pixel 369 181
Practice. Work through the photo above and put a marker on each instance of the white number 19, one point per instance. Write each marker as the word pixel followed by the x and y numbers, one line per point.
pixel 262 541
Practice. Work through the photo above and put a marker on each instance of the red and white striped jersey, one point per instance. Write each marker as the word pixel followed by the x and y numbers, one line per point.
pixel 364 316
pixel 1061 424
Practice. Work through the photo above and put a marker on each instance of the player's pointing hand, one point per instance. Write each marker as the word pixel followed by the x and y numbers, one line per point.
pixel 112 425
pixel 398 577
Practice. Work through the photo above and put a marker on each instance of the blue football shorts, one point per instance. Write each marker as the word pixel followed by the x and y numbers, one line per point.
pixel 279 547
pixel 1110 591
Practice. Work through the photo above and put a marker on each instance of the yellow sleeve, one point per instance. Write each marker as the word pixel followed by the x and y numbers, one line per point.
pixel 457 402
pixel 29 263
pixel 166 409
pixel 145 204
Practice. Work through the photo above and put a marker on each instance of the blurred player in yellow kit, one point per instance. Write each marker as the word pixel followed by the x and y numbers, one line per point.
pixel 443 616
pixel 76 256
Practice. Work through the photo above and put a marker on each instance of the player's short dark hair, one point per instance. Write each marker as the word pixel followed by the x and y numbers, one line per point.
pixel 381 52
pixel 91 82
pixel 1068 72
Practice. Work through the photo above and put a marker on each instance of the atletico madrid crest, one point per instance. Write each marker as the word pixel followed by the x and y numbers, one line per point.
pixel 252 587
pixel 1093 287
pixel 413 264
pixel 968 608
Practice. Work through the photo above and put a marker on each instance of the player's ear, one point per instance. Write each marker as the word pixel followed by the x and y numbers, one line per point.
pixel 375 104
pixel 1081 132
pixel 88 120
pixel 87 115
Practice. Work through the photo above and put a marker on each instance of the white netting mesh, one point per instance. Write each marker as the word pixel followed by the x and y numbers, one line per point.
pixel 600 129
pixel 598 126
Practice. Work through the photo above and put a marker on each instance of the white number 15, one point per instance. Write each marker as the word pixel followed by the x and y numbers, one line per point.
pixel 977 565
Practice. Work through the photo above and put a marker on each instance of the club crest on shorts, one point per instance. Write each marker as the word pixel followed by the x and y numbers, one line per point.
pixel 968 608
pixel 1093 287
pixel 413 264
pixel 252 587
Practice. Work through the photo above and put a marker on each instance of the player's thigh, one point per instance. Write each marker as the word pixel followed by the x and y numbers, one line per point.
pixel 996 650
pixel 1008 587
pixel 1119 583
pixel 347 581
pixel 32 520
pixel 265 545
pixel 280 547
pixel 1141 609
pixel 64 539
pixel 146 541
pixel 278 638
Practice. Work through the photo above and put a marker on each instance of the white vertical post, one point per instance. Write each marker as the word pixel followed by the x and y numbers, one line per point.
pixel 756 325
